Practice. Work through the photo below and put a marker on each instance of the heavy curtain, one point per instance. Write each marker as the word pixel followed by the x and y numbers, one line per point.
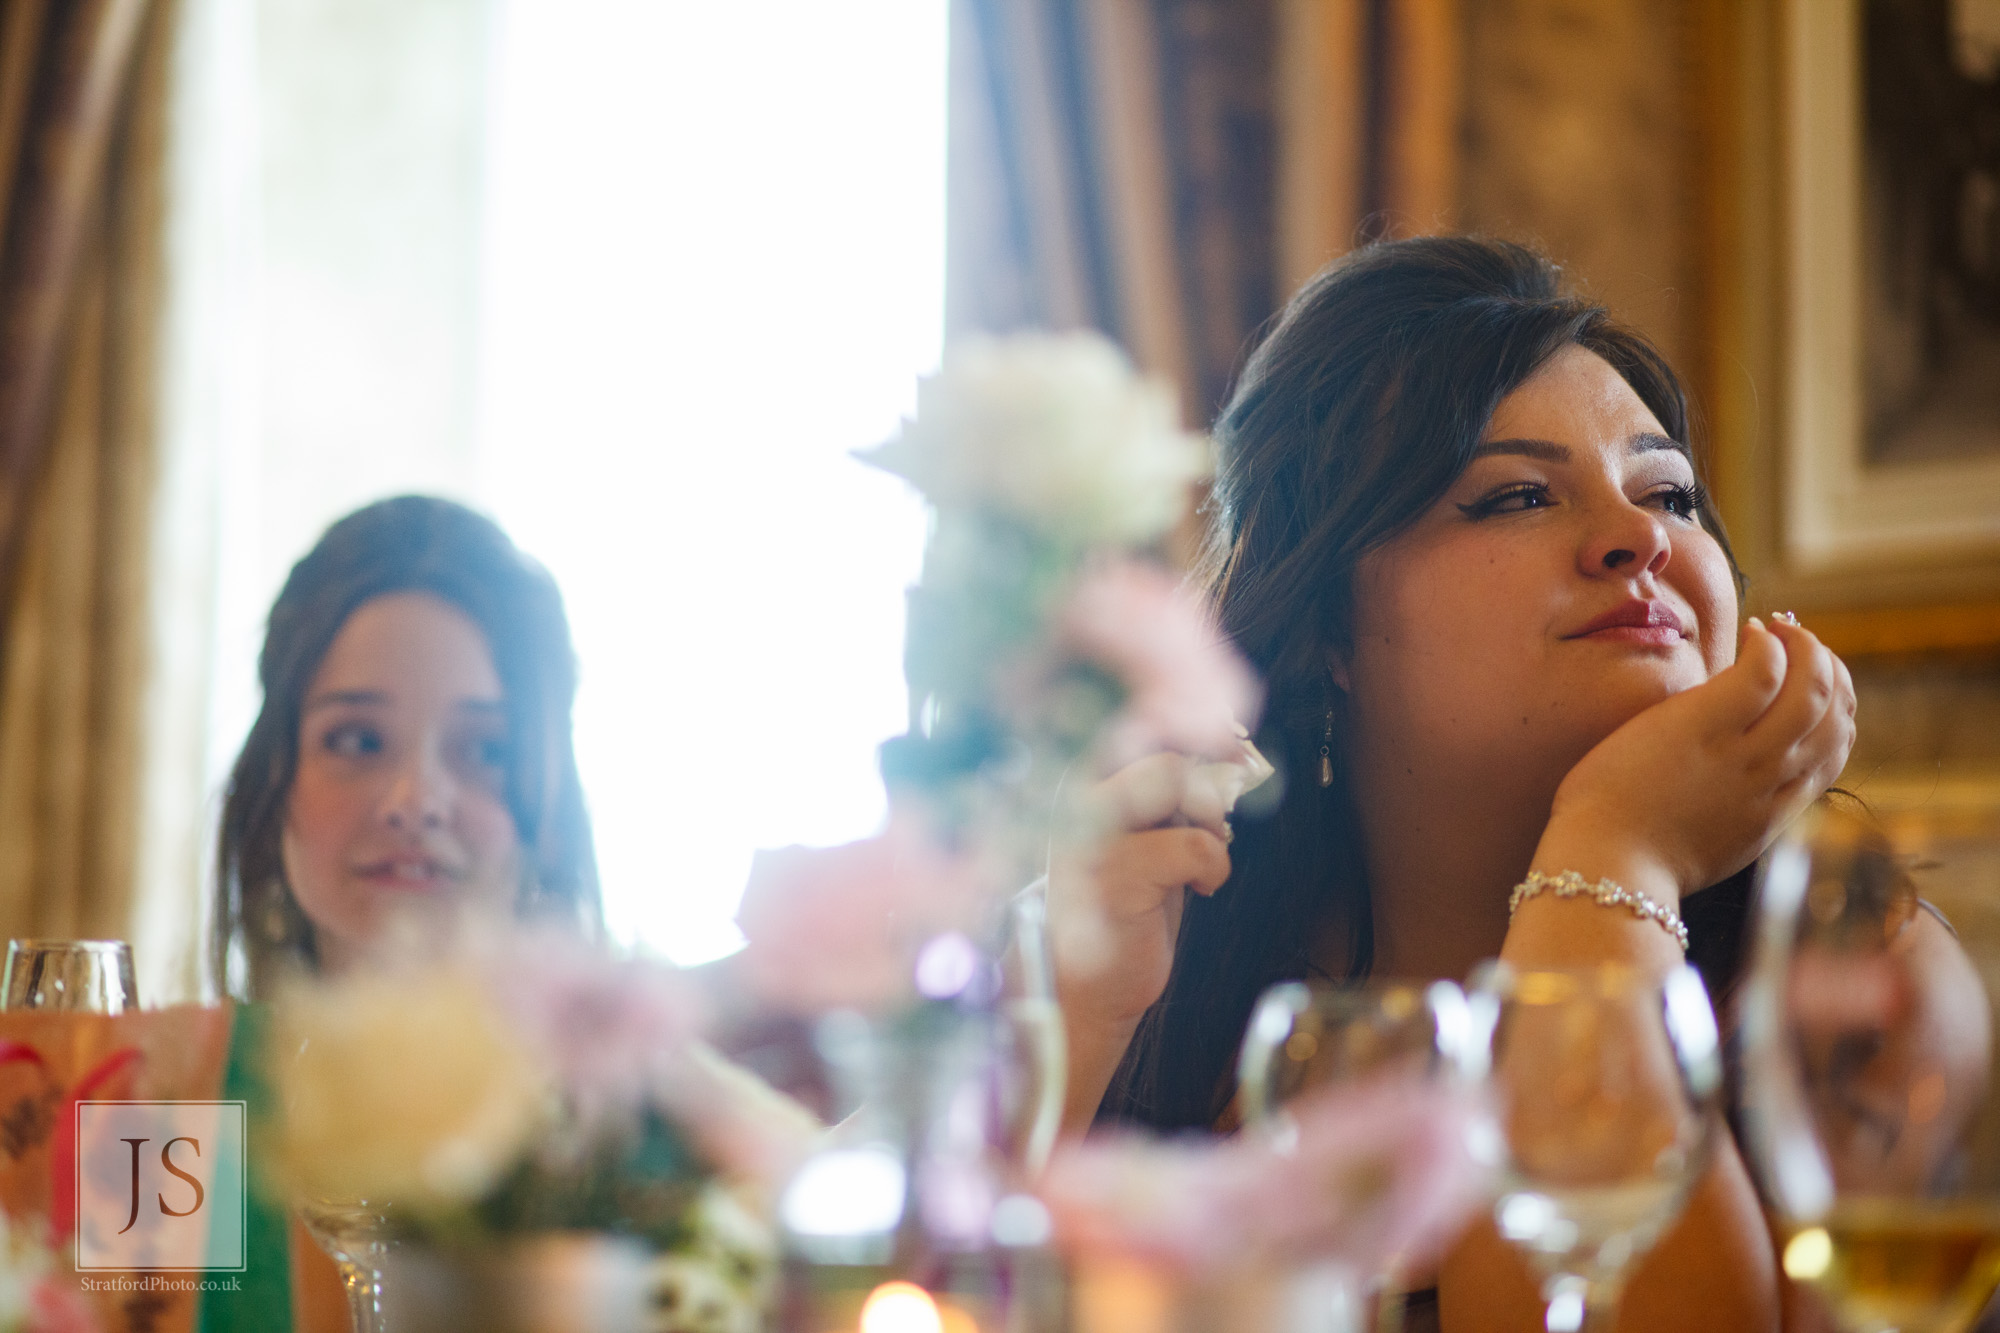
pixel 81 97
pixel 1168 171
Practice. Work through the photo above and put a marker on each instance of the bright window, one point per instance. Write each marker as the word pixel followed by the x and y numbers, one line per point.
pixel 634 276
pixel 714 265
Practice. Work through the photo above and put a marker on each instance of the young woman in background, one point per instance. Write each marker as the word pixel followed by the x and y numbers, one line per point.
pixel 413 753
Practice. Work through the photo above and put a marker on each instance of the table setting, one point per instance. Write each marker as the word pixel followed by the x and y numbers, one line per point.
pixel 523 1130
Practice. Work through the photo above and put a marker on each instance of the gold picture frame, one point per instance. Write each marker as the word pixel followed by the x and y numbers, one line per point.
pixel 1887 555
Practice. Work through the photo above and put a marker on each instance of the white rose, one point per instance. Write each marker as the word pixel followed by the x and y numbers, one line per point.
pixel 404 1088
pixel 1056 431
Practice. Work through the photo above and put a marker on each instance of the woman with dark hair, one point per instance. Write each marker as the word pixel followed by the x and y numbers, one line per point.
pixel 1458 527
pixel 413 752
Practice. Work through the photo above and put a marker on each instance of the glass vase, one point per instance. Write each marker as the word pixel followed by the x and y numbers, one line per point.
pixel 914 1217
pixel 556 1282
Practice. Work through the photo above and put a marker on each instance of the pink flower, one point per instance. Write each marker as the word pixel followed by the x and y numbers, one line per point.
pixel 1188 687
pixel 1374 1172
pixel 843 927
pixel 602 1023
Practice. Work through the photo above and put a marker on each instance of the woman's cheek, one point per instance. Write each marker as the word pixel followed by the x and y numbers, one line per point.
pixel 1714 599
pixel 321 822
pixel 495 848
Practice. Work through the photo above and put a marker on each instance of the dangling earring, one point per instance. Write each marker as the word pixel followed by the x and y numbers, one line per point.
pixel 1326 752
pixel 277 922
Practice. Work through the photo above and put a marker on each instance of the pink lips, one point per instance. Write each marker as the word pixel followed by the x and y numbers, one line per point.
pixel 409 873
pixel 1635 621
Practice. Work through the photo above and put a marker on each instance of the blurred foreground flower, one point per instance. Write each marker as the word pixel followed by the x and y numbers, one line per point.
pixel 529 1081
pixel 405 1086
pixel 1054 431
pixel 1185 687
pixel 35 1297
pixel 1370 1175
pixel 604 1025
pixel 721 1279
pixel 849 927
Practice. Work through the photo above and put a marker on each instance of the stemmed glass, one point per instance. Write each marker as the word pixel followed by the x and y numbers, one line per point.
pixel 1607 1085
pixel 69 976
pixel 1303 1037
pixel 353 1235
pixel 1868 1103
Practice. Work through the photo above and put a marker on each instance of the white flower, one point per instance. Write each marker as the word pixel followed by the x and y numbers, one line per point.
pixel 1056 431
pixel 404 1088
pixel 722 1280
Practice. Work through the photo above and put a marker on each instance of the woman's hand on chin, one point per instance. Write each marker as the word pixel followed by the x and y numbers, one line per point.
pixel 1697 786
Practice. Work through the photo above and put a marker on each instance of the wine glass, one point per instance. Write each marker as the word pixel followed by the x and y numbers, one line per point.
pixel 354 1235
pixel 1867 1097
pixel 69 976
pixel 1303 1037
pixel 1607 1085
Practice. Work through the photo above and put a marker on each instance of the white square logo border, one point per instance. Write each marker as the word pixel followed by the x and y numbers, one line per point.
pixel 230 1120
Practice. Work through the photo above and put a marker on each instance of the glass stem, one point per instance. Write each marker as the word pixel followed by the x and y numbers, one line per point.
pixel 363 1285
pixel 1578 1305
pixel 1600 1311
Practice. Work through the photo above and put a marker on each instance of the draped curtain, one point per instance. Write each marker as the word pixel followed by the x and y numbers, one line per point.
pixel 81 92
pixel 1168 171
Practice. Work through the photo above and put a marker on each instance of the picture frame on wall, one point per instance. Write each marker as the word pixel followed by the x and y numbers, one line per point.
pixel 1861 199
pixel 1893 317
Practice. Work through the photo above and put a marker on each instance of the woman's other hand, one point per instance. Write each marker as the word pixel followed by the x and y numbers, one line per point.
pixel 1696 787
pixel 1115 910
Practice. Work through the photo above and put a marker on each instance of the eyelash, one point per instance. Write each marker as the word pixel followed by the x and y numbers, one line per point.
pixel 1685 502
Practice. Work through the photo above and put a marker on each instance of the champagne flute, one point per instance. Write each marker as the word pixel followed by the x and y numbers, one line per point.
pixel 1303 1037
pixel 1607 1085
pixel 1867 1097
pixel 69 976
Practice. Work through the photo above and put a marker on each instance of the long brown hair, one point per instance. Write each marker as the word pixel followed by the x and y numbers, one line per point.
pixel 1356 413
pixel 412 543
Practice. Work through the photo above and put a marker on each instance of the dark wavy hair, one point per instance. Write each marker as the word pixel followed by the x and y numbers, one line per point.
pixel 1356 413
pixel 412 543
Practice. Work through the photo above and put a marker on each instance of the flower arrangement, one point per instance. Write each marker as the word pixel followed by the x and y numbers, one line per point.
pixel 527 1083
pixel 1044 639
pixel 1042 633
pixel 1052 467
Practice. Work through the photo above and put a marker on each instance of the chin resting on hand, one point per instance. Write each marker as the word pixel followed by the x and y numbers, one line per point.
pixel 1698 785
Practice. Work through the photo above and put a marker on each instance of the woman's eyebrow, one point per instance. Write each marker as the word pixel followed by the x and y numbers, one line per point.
pixel 1644 442
pixel 1545 450
pixel 484 707
pixel 341 698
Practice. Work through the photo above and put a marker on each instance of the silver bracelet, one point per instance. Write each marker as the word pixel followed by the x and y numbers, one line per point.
pixel 1605 893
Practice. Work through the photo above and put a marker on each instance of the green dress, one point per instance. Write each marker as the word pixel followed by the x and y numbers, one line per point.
pixel 261 1298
